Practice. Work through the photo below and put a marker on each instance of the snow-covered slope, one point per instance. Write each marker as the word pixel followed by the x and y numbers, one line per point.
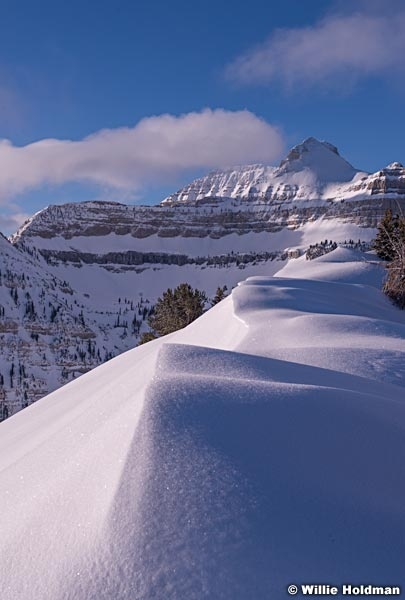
pixel 45 338
pixel 259 447
pixel 302 174
pixel 119 259
pixel 389 182
pixel 58 319
pixel 321 158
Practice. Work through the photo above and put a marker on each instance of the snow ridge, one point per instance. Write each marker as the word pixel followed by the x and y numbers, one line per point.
pixel 224 463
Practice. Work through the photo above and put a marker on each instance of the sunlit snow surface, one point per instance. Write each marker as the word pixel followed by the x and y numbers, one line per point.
pixel 263 445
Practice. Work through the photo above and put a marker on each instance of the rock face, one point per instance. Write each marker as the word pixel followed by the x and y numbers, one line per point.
pixel 313 181
pixel 79 280
pixel 45 338
pixel 388 182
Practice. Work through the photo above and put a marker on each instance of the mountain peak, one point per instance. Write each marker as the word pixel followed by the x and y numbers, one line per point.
pixel 395 166
pixel 309 145
pixel 311 142
pixel 321 158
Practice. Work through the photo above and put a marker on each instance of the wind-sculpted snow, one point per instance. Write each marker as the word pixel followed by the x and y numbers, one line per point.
pixel 182 470
pixel 330 321
pixel 363 269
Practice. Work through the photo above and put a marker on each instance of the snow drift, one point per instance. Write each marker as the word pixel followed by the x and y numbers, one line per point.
pixel 261 446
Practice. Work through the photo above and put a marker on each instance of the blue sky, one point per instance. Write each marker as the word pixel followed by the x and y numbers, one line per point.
pixel 279 72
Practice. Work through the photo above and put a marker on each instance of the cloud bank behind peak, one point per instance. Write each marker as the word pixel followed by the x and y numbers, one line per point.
pixel 153 152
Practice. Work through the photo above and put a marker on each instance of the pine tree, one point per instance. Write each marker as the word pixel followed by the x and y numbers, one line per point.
pixel 390 245
pixel 176 309
pixel 148 336
pixel 220 294
pixel 384 243
pixel 394 285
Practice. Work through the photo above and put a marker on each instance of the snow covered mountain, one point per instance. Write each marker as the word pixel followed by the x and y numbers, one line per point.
pixel 47 337
pixel 60 319
pixel 306 173
pixel 117 259
pixel 311 183
pixel 260 447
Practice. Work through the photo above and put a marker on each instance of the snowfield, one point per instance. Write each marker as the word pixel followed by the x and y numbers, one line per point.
pixel 261 446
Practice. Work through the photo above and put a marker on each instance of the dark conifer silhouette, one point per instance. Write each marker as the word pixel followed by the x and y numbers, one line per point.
pixel 389 230
pixel 174 310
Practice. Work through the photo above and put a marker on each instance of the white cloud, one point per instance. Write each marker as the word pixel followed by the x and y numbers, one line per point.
pixel 11 222
pixel 339 46
pixel 156 150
